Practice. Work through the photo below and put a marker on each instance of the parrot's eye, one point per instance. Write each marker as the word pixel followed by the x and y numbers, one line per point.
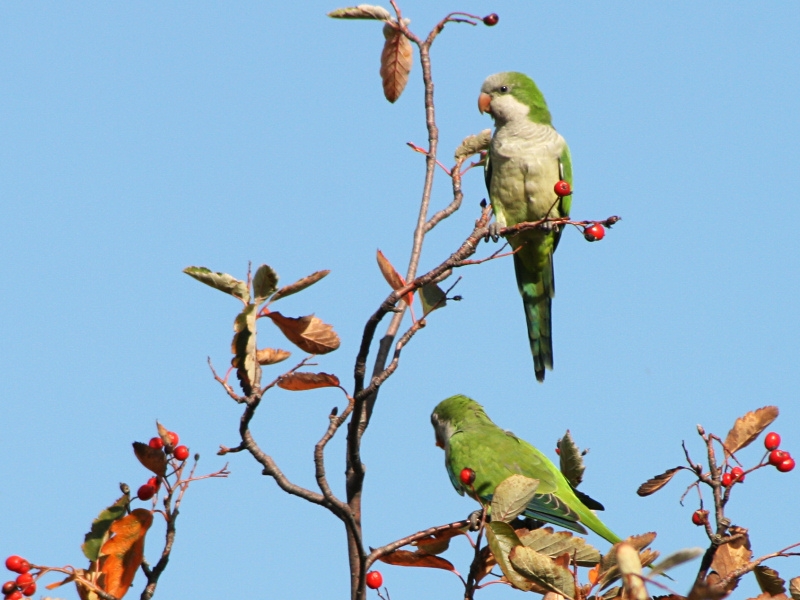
pixel 504 88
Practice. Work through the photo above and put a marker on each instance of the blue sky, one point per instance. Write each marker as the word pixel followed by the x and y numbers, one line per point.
pixel 138 139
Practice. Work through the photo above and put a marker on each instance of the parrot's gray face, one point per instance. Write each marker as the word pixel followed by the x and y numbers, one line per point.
pixel 443 430
pixel 505 107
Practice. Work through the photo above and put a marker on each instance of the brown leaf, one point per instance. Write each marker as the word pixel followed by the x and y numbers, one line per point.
pixel 298 382
pixel 308 333
pixel 570 460
pixel 730 557
pixel 768 596
pixel 486 564
pixel 794 588
pixel 769 581
pixel 298 285
pixel 243 348
pixel 437 542
pixel 405 558
pixel 748 427
pixel 392 277
pixel 651 486
pixel 395 62
pixel 121 556
pixel 362 11
pixel 153 459
pixel 270 356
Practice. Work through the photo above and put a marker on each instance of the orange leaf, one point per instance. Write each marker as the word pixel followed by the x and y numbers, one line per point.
pixel 392 277
pixel 396 61
pixel 404 558
pixel 298 382
pixel 308 333
pixel 748 427
pixel 270 356
pixel 121 556
pixel 153 459
pixel 594 574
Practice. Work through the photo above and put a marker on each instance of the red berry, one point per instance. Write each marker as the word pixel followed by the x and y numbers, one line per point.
pixel 14 562
pixel 699 517
pixel 491 20
pixel 737 474
pixel 786 466
pixel 594 233
pixel 30 590
pixel 772 441
pixel 181 453
pixel 24 580
pixel 776 457
pixel 155 482
pixel 562 188
pixel 156 443
pixel 467 476
pixel 8 587
pixel 374 580
pixel 173 438
pixel 17 595
pixel 146 492
pixel 727 479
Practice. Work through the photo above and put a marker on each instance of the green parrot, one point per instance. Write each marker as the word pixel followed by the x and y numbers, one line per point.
pixel 527 157
pixel 471 440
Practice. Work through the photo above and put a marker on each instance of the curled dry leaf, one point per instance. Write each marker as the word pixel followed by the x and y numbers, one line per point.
pixel 362 11
pixel 243 348
pixel 473 144
pixel 270 356
pixel 395 62
pixel 220 281
pixel 308 333
pixel 748 427
pixel 730 557
pixel 392 277
pixel 769 581
pixel 153 459
pixel 651 486
pixel 437 542
pixel 570 460
pixel 794 588
pixel 299 285
pixel 265 282
pixel 121 556
pixel 405 558
pixel 298 382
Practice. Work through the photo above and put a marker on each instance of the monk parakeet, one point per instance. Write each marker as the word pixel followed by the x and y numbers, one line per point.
pixel 471 440
pixel 527 157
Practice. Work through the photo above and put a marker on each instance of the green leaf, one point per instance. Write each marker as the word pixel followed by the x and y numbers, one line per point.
pixel 502 539
pixel 432 297
pixel 543 570
pixel 362 11
pixel 243 348
pixel 512 496
pixel 299 285
pixel 220 281
pixel 265 282
pixel 675 559
pixel 570 460
pixel 553 544
pixel 98 534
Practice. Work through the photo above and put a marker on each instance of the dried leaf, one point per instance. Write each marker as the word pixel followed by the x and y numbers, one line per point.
pixel 405 558
pixel 472 144
pixel 609 569
pixel 265 282
pixel 794 588
pixel 545 541
pixel 308 333
pixel 651 486
pixel 675 559
pixel 121 556
pixel 747 428
pixel 270 356
pixel 243 347
pixel 730 557
pixel 631 570
pixel 392 277
pixel 768 596
pixel 163 433
pixel 362 11
pixel 299 285
pixel 298 382
pixel 769 581
pixel 512 496
pixel 94 539
pixel 395 62
pixel 432 297
pixel 570 460
pixel 543 570
pixel 437 542
pixel 220 281
pixel 153 459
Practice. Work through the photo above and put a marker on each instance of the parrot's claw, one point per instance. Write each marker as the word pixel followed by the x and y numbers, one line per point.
pixel 548 226
pixel 474 519
pixel 492 231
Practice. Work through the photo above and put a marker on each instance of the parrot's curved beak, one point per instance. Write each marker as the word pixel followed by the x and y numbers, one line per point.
pixel 484 103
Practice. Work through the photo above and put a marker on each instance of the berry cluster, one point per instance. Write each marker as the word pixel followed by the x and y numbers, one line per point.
pixel 24 584
pixel 181 453
pixel 780 459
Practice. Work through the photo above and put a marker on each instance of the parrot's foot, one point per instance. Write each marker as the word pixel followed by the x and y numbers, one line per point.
pixel 493 231
pixel 548 226
pixel 474 519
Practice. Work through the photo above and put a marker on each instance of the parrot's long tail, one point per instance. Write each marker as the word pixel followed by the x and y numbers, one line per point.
pixel 537 288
